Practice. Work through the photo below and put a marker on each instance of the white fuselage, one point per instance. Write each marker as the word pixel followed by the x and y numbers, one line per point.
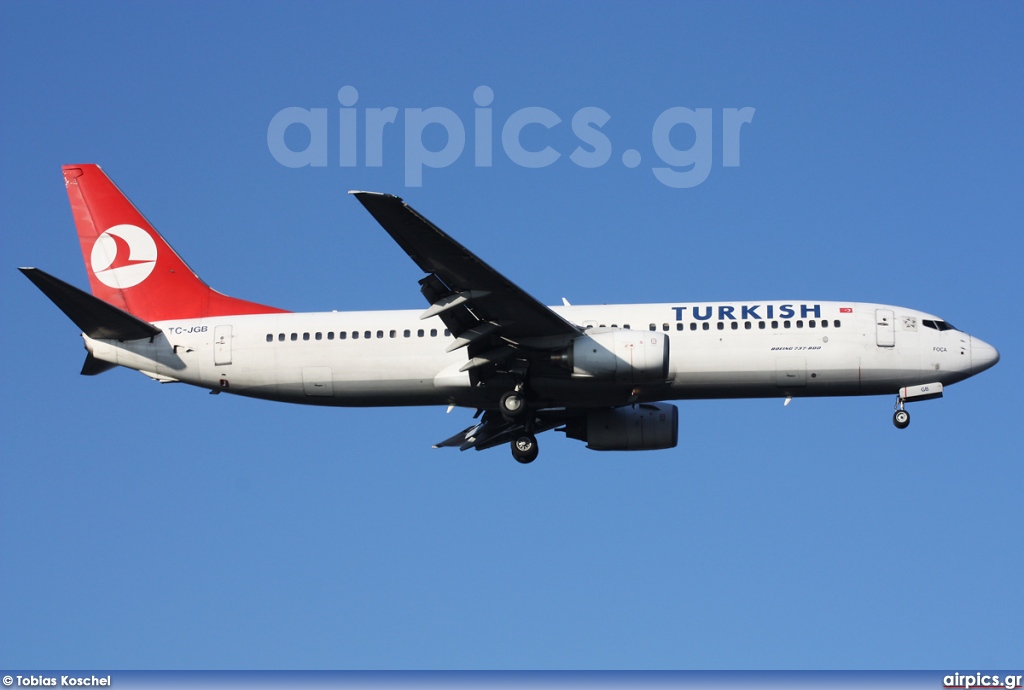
pixel 717 350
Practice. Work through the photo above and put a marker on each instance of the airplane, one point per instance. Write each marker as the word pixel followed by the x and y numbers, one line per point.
pixel 600 374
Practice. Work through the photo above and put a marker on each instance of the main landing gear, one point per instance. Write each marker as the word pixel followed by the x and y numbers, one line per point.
pixel 901 418
pixel 514 409
pixel 524 448
pixel 513 404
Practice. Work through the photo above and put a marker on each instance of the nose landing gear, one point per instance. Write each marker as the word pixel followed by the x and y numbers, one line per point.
pixel 900 418
pixel 927 391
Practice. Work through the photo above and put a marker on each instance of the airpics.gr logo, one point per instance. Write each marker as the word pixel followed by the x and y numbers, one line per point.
pixel 545 142
pixel 123 256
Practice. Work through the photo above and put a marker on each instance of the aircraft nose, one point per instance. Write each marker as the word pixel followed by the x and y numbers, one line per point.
pixel 983 355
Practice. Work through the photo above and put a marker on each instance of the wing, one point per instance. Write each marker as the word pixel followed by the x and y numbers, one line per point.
pixel 506 331
pixel 494 430
pixel 462 284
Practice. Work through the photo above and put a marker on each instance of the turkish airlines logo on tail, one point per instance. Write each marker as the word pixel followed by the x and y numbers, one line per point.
pixel 123 256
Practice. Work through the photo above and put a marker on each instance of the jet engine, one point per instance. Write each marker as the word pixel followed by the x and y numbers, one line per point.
pixel 622 356
pixel 648 426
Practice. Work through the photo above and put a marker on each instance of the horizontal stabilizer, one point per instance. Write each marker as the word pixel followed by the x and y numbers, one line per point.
pixel 93 316
pixel 93 366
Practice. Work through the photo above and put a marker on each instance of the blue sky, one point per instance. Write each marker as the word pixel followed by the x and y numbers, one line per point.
pixel 146 526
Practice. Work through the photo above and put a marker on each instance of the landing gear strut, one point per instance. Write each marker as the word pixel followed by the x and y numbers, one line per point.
pixel 514 409
pixel 901 418
pixel 524 448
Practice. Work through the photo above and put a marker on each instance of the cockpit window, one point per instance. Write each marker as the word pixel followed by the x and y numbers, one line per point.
pixel 938 325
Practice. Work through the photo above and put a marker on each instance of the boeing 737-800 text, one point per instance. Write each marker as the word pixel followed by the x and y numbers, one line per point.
pixel 598 373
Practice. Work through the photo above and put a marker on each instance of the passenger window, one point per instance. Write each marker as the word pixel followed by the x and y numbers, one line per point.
pixel 270 337
pixel 355 335
pixel 380 334
pixel 707 326
pixel 406 333
pixel 836 323
pixel 748 325
pixel 721 326
pixel 679 326
pixel 761 325
pixel 319 336
pixel 775 324
pixel 305 336
pixel 626 326
pixel 295 336
pixel 664 326
pixel 654 327
pixel 330 335
pixel 433 332
pixel 393 334
pixel 419 333
pixel 824 323
pixel 447 333
pixel 810 324
pixel 693 326
pixel 786 324
pixel 367 334
pixel 735 325
pixel 342 335
pixel 280 337
pixel 799 324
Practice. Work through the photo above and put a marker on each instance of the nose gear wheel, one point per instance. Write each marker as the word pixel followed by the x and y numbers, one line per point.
pixel 900 418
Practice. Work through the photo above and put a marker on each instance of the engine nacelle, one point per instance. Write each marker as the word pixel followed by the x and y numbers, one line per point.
pixel 622 356
pixel 648 426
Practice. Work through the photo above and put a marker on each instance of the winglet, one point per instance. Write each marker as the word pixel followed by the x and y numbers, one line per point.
pixel 357 192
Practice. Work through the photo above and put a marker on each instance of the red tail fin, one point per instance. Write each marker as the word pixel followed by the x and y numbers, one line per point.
pixel 130 265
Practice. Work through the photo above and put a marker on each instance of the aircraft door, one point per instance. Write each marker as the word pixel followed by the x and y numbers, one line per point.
pixel 222 345
pixel 885 328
